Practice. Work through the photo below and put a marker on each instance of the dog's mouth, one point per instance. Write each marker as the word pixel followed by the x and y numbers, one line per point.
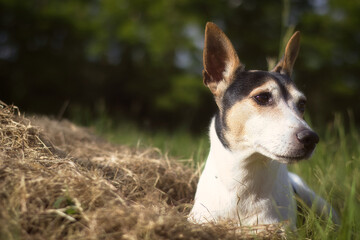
pixel 290 157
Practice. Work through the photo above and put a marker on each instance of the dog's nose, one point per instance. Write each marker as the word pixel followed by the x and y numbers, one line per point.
pixel 307 137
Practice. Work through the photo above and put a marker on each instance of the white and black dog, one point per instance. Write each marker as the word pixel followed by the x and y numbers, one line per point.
pixel 257 131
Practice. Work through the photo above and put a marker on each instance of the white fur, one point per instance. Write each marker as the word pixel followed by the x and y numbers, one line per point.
pixel 243 186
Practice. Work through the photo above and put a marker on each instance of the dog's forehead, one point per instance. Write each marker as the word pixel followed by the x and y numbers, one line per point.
pixel 246 81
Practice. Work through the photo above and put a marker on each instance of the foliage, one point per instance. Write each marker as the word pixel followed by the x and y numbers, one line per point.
pixel 142 59
pixel 329 60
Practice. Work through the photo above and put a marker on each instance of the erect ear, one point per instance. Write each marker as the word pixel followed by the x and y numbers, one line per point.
pixel 220 60
pixel 286 64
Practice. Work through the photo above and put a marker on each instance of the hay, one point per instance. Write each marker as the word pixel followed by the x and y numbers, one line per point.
pixel 59 181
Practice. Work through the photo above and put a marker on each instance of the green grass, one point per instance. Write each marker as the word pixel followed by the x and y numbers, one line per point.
pixel 179 144
pixel 332 172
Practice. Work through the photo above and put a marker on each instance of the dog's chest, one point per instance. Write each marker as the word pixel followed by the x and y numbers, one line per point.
pixel 219 198
pixel 251 194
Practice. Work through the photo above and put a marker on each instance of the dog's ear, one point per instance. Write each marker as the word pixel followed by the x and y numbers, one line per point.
pixel 286 64
pixel 220 60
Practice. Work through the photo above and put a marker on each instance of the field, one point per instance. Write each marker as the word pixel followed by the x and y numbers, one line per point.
pixel 333 170
pixel 61 181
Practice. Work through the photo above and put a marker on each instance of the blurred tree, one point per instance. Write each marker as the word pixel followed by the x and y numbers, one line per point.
pixel 329 66
pixel 142 59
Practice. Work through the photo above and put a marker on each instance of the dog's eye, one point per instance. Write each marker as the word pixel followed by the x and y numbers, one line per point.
pixel 301 106
pixel 263 98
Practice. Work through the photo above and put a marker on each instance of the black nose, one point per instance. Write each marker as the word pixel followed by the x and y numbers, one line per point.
pixel 307 137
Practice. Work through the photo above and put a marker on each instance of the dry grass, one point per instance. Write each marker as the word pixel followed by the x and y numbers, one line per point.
pixel 59 181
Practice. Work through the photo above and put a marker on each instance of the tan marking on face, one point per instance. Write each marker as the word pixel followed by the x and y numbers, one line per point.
pixel 236 118
pixel 247 110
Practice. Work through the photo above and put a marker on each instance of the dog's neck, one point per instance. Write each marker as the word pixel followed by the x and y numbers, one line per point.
pixel 246 171
pixel 242 186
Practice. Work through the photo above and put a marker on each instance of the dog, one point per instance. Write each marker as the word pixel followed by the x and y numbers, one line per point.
pixel 259 129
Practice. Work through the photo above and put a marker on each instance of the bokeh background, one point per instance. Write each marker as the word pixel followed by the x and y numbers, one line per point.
pixel 141 61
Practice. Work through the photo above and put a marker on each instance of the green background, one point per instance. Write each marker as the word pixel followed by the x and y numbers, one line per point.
pixel 141 61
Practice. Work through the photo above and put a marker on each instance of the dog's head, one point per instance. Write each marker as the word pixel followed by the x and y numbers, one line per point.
pixel 261 110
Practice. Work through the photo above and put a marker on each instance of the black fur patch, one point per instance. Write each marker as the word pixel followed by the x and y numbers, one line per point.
pixel 240 88
pixel 220 126
pixel 282 81
pixel 242 85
